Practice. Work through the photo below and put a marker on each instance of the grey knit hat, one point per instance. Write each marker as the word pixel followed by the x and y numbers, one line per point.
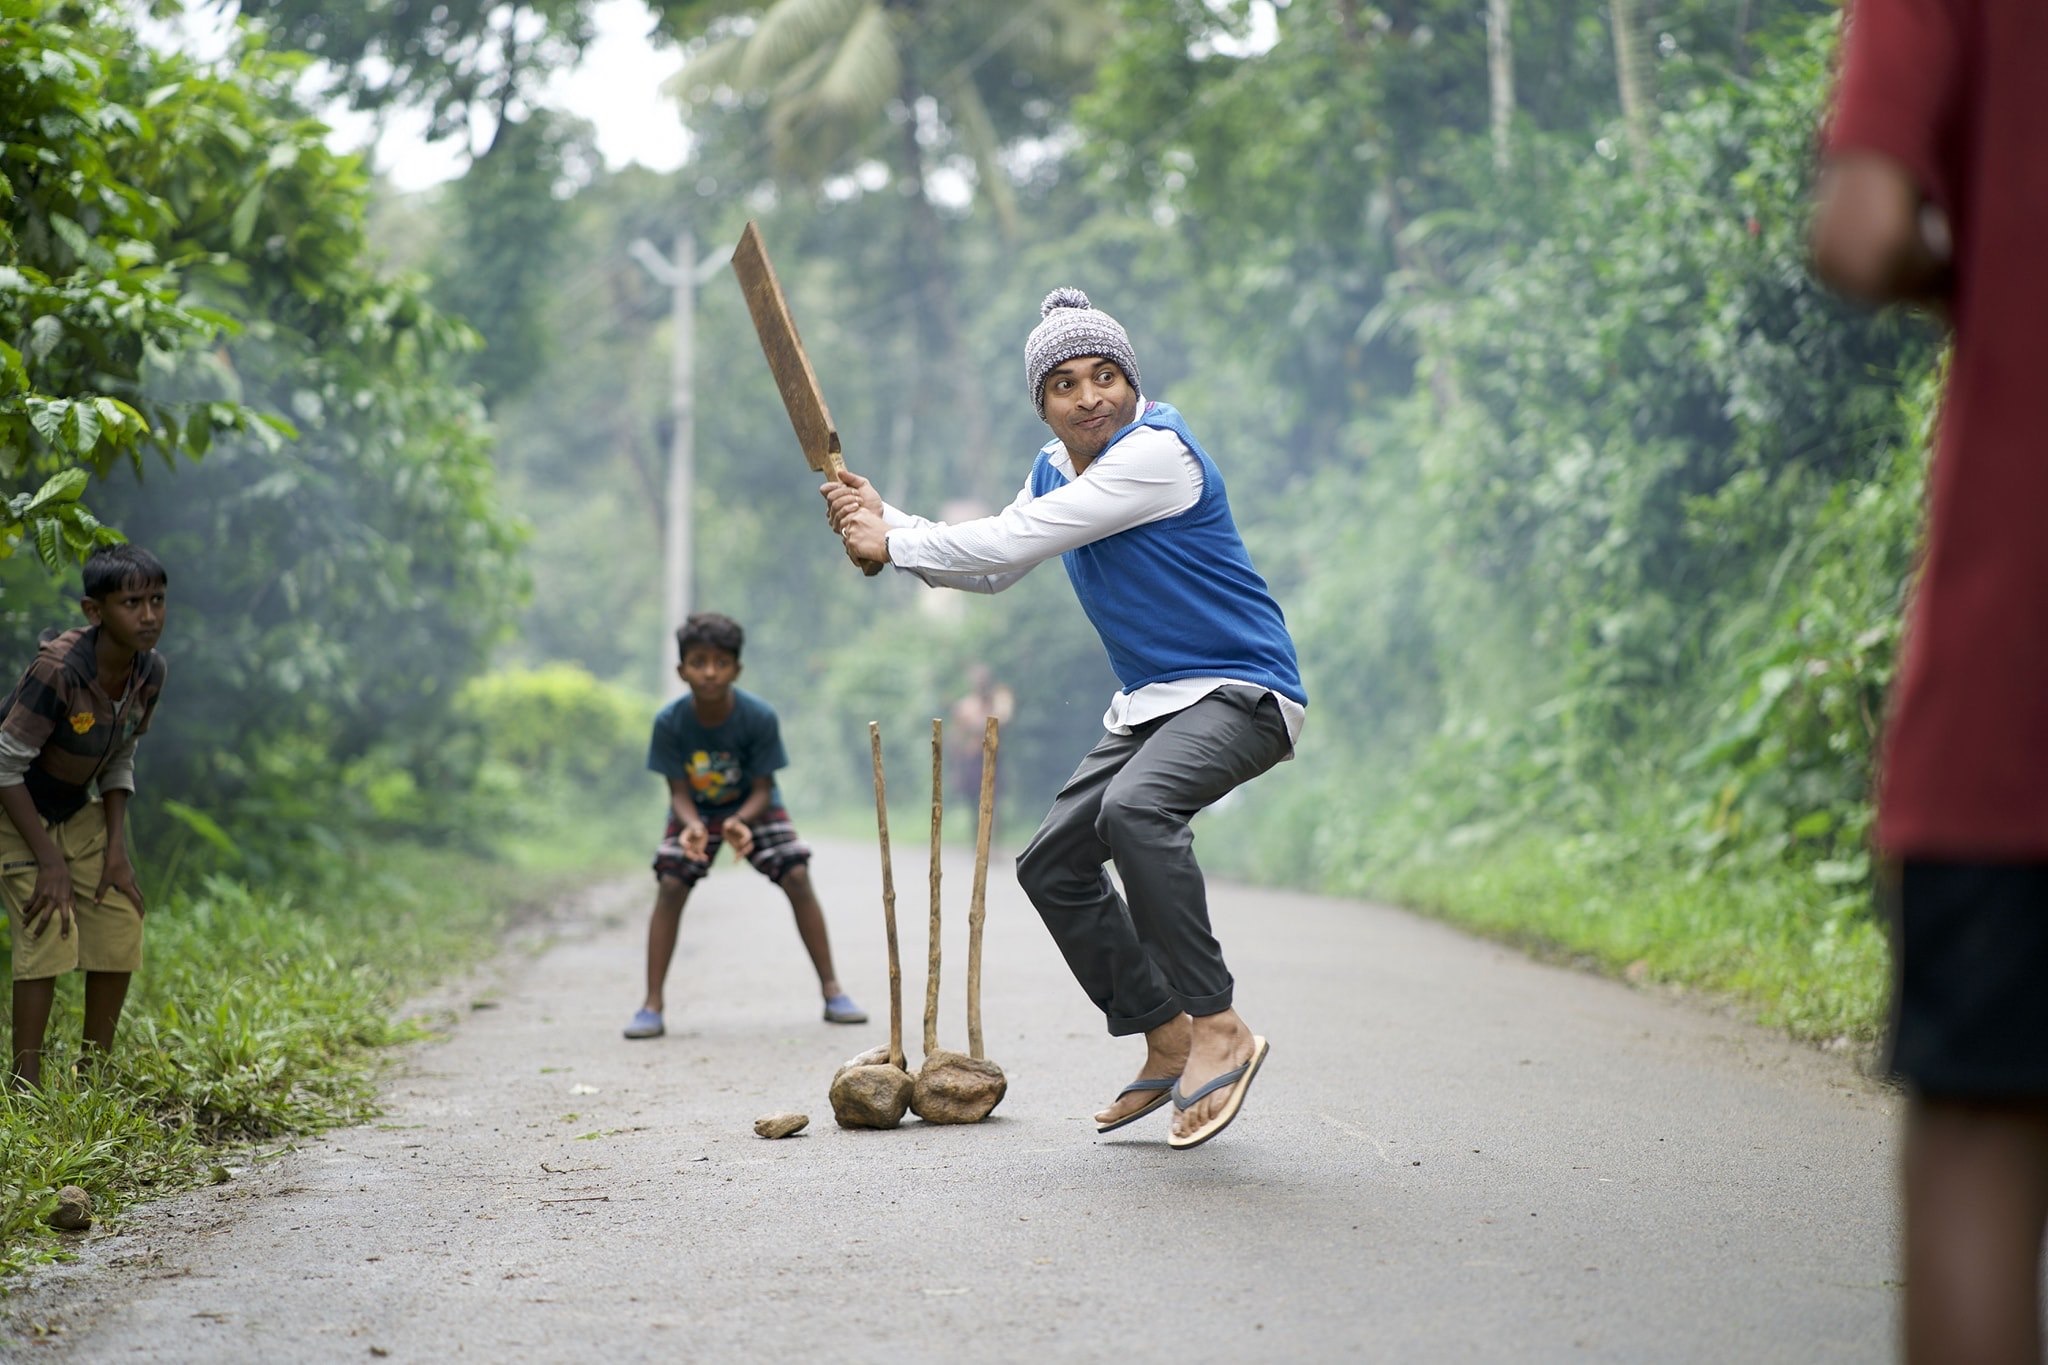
pixel 1073 326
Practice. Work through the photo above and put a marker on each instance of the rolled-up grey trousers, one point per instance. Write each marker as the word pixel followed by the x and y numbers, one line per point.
pixel 1130 801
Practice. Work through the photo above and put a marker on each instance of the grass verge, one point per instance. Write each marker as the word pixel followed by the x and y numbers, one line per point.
pixel 259 1017
pixel 1767 938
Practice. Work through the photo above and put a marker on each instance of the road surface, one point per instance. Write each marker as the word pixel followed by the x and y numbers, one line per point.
pixel 1454 1153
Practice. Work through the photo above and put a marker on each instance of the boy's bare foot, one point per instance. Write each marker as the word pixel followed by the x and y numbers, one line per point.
pixel 1219 1043
pixel 1166 1056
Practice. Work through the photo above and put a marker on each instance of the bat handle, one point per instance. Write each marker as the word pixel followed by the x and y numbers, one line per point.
pixel 834 467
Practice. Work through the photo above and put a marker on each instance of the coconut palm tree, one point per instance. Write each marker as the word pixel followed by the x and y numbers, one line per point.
pixel 912 85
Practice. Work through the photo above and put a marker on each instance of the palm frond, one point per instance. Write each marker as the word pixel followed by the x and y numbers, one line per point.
pixel 792 30
pixel 977 133
pixel 865 70
pixel 718 65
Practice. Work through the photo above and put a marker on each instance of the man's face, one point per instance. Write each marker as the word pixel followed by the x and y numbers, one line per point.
pixel 1087 401
pixel 132 615
pixel 708 671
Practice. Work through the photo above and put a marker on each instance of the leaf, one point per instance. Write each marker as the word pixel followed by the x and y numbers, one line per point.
pixel 115 415
pixel 73 236
pixel 62 488
pixel 47 417
pixel 43 335
pixel 84 426
pixel 49 545
pixel 243 225
pixel 1815 825
pixel 278 424
pixel 203 825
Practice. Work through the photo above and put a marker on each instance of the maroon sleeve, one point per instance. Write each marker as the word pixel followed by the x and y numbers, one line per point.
pixel 1902 73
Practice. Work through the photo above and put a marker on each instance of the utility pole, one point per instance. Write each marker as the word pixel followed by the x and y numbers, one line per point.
pixel 682 273
pixel 1500 77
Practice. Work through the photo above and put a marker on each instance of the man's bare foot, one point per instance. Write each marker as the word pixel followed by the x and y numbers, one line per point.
pixel 1218 1043
pixel 1166 1056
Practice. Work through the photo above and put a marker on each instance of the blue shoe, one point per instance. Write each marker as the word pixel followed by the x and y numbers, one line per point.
pixel 841 1009
pixel 646 1024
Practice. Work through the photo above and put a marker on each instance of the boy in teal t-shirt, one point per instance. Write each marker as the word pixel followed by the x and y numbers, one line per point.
pixel 720 749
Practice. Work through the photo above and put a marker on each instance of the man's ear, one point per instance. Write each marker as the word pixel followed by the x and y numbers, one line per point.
pixel 737 669
pixel 91 607
pixel 680 674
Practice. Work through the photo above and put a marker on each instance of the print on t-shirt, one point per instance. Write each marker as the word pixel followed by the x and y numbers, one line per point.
pixel 716 778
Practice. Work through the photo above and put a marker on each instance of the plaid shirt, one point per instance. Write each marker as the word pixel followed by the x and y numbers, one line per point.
pixel 58 711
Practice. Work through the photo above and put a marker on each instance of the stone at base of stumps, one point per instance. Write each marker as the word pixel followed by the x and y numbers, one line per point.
pixel 868 1092
pixel 955 1088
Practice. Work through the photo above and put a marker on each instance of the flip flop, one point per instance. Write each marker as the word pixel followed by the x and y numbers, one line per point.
pixel 1163 1084
pixel 1239 1079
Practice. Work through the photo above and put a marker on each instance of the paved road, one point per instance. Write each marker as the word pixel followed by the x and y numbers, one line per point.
pixel 1454 1154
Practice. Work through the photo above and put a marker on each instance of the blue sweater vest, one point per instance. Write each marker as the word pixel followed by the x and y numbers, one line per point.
pixel 1178 597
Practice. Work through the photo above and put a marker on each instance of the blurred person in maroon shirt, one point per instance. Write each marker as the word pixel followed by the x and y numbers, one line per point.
pixel 1934 191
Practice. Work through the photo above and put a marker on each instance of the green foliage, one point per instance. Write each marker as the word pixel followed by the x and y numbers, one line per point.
pixel 336 576
pixel 558 723
pixel 505 243
pixel 109 156
pixel 1637 543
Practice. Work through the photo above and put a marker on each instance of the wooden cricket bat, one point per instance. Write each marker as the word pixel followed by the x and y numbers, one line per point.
pixel 791 366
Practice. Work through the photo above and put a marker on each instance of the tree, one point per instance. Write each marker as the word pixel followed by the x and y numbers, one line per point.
pixel 460 60
pixel 504 241
pixel 912 84
pixel 186 257
pixel 112 161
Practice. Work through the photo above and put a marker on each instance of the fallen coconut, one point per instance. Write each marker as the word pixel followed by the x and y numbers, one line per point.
pixel 873 1089
pixel 74 1210
pixel 780 1125
pixel 952 1087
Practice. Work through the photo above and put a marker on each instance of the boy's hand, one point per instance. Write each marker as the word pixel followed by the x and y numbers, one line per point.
pixel 52 896
pixel 120 875
pixel 740 837
pixel 695 840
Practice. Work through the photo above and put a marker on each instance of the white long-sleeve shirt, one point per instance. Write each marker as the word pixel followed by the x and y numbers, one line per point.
pixel 1147 476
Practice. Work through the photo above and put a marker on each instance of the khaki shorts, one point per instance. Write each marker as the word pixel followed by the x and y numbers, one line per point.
pixel 106 937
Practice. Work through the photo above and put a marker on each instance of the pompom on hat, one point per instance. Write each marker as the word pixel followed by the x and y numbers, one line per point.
pixel 1072 326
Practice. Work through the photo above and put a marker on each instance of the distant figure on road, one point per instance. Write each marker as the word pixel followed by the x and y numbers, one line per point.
pixel 1934 190
pixel 720 749
pixel 970 715
pixel 68 734
pixel 1211 697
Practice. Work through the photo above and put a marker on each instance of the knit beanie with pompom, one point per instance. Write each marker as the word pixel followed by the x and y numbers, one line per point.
pixel 1073 327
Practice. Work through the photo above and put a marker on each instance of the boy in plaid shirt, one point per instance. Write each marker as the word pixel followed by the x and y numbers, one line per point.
pixel 67 766
pixel 720 748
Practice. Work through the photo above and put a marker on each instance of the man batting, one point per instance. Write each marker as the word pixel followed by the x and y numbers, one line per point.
pixel 1211 697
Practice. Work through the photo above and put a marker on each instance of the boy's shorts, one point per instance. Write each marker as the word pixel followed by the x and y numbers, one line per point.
pixel 1970 979
pixel 777 849
pixel 106 937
